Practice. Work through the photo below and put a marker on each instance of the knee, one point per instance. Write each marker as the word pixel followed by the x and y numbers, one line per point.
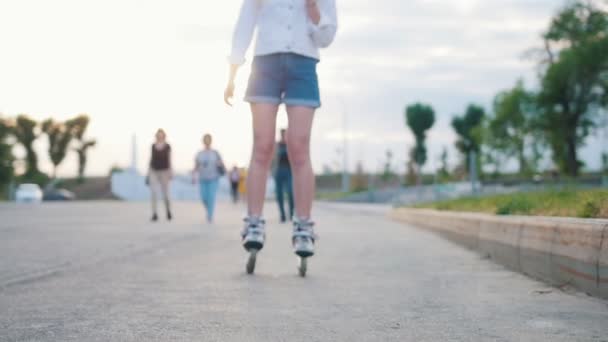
pixel 299 150
pixel 263 149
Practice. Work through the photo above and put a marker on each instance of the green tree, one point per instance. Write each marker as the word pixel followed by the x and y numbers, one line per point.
pixel 411 174
pixel 444 171
pixel 359 181
pixel 511 131
pixel 574 81
pixel 388 173
pixel 59 137
pixel 419 118
pixel 468 129
pixel 492 156
pixel 80 125
pixel 25 132
pixel 6 154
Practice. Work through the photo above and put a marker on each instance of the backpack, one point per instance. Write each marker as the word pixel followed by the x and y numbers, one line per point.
pixel 221 169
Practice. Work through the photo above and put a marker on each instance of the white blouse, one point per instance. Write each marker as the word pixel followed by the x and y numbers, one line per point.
pixel 283 26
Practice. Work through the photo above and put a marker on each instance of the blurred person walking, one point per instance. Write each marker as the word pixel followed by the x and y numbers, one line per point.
pixel 235 178
pixel 243 182
pixel 289 36
pixel 208 168
pixel 160 173
pixel 283 178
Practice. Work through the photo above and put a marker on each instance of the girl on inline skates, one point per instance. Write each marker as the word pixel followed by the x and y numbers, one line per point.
pixel 289 36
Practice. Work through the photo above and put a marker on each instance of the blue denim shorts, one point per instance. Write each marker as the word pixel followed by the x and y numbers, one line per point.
pixel 284 78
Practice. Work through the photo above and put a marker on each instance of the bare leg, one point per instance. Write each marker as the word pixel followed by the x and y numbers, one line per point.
pixel 164 186
pixel 165 178
pixel 153 184
pixel 298 148
pixel 264 125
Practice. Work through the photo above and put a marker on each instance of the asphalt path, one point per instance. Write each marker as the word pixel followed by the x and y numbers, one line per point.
pixel 100 271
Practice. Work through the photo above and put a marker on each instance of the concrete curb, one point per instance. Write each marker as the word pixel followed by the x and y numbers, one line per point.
pixel 559 251
pixel 500 241
pixel 602 265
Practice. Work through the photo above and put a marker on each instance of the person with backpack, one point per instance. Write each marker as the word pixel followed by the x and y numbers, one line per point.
pixel 208 169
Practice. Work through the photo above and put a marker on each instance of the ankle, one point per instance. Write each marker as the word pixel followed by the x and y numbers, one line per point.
pixel 302 219
pixel 254 217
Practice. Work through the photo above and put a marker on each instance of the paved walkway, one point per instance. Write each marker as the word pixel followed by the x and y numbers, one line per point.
pixel 99 271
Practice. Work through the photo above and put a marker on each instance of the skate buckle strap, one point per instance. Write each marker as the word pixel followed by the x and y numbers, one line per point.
pixel 253 225
pixel 254 221
pixel 302 224
pixel 304 229
pixel 303 233
pixel 255 231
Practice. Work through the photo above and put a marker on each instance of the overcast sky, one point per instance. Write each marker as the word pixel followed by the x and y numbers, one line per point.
pixel 136 65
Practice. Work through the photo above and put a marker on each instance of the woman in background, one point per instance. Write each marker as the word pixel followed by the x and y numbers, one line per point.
pixel 208 167
pixel 160 173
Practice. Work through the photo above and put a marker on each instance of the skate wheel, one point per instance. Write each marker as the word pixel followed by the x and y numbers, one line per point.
pixel 302 266
pixel 251 261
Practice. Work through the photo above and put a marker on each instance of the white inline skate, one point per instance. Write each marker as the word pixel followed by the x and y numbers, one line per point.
pixel 253 236
pixel 303 240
